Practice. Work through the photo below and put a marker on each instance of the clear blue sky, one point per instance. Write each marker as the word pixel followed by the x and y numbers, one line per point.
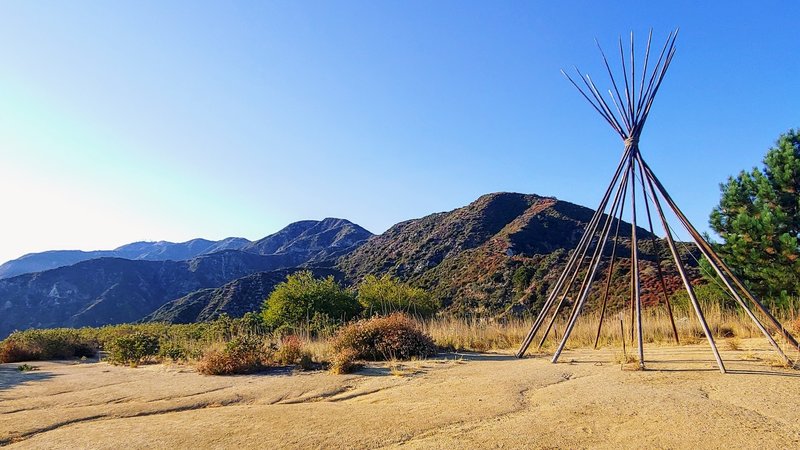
pixel 124 121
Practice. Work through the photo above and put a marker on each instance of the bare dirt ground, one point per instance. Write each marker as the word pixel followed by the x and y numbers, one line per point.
pixel 453 401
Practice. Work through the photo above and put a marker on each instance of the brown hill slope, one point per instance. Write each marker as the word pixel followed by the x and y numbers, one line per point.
pixel 502 250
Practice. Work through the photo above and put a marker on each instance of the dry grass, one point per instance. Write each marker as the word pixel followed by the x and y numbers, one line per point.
pixel 486 335
pixel 344 362
pixel 475 334
pixel 623 359
pixel 733 343
pixel 397 369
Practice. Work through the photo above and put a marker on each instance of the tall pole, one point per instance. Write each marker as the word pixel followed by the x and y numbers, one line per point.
pixel 715 261
pixel 609 219
pixel 635 254
pixel 588 280
pixel 659 272
pixel 678 264
pixel 618 215
pixel 585 240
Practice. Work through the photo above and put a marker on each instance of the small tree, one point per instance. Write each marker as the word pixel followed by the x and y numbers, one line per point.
pixel 758 217
pixel 386 295
pixel 298 299
pixel 522 279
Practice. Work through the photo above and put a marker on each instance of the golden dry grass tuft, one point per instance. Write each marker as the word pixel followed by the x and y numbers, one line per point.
pixel 488 335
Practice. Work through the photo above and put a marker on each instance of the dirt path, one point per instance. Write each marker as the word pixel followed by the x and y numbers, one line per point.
pixel 454 401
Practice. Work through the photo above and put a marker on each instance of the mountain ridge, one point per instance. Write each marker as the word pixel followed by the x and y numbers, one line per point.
pixel 140 250
pixel 114 290
pixel 470 257
pixel 495 256
pixel 306 236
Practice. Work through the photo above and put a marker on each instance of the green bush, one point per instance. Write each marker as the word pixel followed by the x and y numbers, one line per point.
pixel 49 344
pixel 295 301
pixel 133 348
pixel 706 294
pixel 382 338
pixel 522 279
pixel 385 295
pixel 174 351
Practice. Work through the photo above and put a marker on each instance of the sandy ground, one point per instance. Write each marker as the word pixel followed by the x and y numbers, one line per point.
pixel 452 401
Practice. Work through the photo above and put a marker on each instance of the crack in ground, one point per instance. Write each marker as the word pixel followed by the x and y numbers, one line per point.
pixel 100 417
pixel 329 396
pixel 174 397
pixel 82 390
pixel 316 398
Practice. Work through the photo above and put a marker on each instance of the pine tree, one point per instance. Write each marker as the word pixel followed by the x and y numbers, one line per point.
pixel 758 217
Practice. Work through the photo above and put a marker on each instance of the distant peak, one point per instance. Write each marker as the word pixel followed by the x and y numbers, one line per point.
pixel 506 195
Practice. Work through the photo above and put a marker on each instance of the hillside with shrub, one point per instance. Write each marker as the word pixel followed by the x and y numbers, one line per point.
pixel 236 298
pixel 499 253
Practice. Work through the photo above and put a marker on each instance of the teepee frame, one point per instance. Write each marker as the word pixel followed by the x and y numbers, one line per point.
pixel 628 118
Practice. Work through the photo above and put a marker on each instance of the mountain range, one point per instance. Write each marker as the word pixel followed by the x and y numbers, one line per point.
pixel 320 240
pixel 469 257
pixel 498 255
pixel 148 251
pixel 110 290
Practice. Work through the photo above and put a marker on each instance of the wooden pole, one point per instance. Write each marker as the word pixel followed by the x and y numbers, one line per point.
pixel 611 120
pixel 574 258
pixel 644 70
pixel 618 215
pixel 635 260
pixel 659 273
pixel 586 238
pixel 681 272
pixel 622 334
pixel 598 252
pixel 587 281
pixel 609 219
pixel 715 262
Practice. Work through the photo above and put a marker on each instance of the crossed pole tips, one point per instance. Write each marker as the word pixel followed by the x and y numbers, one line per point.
pixel 631 108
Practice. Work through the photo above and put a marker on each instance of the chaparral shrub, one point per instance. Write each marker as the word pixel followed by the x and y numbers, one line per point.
pixel 396 336
pixel 344 361
pixel 173 351
pixel 132 349
pixel 242 354
pixel 58 343
pixel 385 295
pixel 292 351
pixel 297 300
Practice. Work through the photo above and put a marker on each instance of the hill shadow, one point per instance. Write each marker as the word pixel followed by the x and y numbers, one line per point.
pixel 655 365
pixel 472 356
pixel 11 376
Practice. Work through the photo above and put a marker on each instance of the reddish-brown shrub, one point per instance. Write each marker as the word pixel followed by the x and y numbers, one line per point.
pixel 396 336
pixel 13 351
pixel 291 351
pixel 344 362
pixel 243 354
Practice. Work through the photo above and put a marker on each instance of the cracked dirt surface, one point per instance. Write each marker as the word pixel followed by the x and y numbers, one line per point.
pixel 453 401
